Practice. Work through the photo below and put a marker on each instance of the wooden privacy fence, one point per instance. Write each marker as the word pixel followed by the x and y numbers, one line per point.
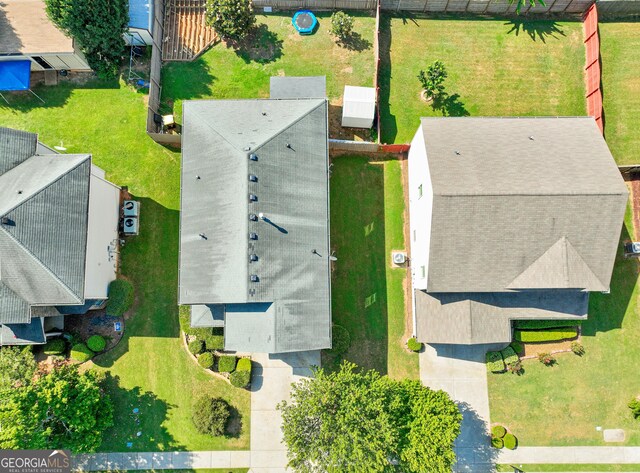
pixel 592 68
pixel 500 7
pixel 376 73
pixel 618 8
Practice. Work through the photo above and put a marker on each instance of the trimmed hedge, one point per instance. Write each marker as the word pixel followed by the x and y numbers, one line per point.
pixel 517 347
pixel 244 364
pixel 545 335
pixel 213 341
pixel 226 363
pixel 340 340
pixel 498 431
pixel 206 360
pixel 196 346
pixel 96 343
pixel 497 442
pixel 509 355
pixel 56 346
pixel 495 363
pixel 414 345
pixel 510 441
pixel 240 379
pixel 210 415
pixel 120 297
pixel 541 324
pixel 81 352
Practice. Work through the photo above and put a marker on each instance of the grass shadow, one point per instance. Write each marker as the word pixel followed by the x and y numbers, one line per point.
pixel 149 417
pixel 355 42
pixel 535 29
pixel 449 105
pixel 388 125
pixel 359 285
pixel 234 424
pixel 185 81
pixel 261 45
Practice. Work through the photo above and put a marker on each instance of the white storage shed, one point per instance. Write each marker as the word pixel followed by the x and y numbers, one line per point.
pixel 358 107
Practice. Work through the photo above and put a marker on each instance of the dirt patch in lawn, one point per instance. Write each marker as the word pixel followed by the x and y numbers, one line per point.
pixel 534 349
pixel 634 189
pixel 338 132
pixel 95 322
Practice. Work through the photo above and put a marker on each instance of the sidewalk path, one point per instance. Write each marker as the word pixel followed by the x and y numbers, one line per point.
pixel 161 460
pixel 571 455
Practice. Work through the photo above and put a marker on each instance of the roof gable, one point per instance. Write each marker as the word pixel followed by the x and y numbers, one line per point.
pixel 15 147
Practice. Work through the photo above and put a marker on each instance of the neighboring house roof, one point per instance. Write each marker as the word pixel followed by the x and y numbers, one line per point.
pixel 44 203
pixel 521 203
pixel 474 318
pixel 25 28
pixel 289 138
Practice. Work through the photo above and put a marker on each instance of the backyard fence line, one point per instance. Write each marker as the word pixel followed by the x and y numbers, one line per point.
pixel 366 147
pixel 618 8
pixel 376 73
pixel 478 7
pixel 592 67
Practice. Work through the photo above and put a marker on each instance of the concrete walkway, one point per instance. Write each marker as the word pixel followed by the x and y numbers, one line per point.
pixel 571 455
pixel 460 371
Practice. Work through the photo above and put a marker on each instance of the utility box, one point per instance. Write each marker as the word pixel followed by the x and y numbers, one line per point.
pixel 358 107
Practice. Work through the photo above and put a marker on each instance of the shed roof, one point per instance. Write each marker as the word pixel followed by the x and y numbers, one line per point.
pixel 359 102
pixel 25 28
pixel 521 203
pixel 289 139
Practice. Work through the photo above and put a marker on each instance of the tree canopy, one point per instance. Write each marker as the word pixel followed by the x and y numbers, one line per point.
pixel 17 367
pixel 522 3
pixel 350 421
pixel 232 19
pixel 64 409
pixel 98 26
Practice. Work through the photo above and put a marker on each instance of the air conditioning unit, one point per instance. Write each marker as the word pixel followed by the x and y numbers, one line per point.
pixel 131 208
pixel 632 248
pixel 399 257
pixel 130 226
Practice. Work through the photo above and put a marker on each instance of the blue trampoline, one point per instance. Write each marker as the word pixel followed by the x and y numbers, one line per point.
pixel 304 22
pixel 15 76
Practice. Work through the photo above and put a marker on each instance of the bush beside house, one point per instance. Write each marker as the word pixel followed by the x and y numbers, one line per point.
pixel 96 343
pixel 120 297
pixel 414 345
pixel 495 363
pixel 546 335
pixel 81 352
pixel 57 346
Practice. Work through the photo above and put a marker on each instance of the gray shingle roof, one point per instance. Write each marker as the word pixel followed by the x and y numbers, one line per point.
pixel 23 334
pixel 508 191
pixel 474 318
pixel 283 87
pixel 43 243
pixel 289 138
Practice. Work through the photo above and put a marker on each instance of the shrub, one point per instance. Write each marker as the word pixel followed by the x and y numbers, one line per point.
pixel 634 405
pixel 432 80
pixel 226 363
pixel 196 346
pixel 495 362
pixel 240 379
pixel 497 442
pixel 546 335
pixel 341 25
pixel 515 368
pixel 577 348
pixel 498 431
pixel 517 347
pixel 81 352
pixel 213 342
pixel 96 343
pixel 120 297
pixel 56 346
pixel 206 360
pixel 340 340
pixel 509 355
pixel 541 324
pixel 232 19
pixel 414 345
pixel 546 359
pixel 244 364
pixel 510 441
pixel 210 415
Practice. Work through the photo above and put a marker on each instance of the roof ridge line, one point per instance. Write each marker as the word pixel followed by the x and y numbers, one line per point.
pixel 42 265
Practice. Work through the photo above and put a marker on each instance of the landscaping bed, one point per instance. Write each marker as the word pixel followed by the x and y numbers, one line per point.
pixel 95 322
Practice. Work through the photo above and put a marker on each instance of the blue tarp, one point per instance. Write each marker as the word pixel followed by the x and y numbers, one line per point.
pixel 139 14
pixel 15 75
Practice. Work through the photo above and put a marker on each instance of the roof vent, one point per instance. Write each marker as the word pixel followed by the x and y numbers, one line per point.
pixel 7 221
pixel 253 217
pixel 254 278
pixel 19 192
pixel 264 114
pixel 253 157
pixel 253 178
pixel 253 236
pixel 247 148
pixel 531 138
pixel 197 177
pixel 253 198
pixel 203 236
pixel 457 152
pixel 253 257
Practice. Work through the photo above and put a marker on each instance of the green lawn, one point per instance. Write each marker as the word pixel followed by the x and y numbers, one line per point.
pixel 562 405
pixel 570 468
pixel 620 52
pixel 149 368
pixel 367 207
pixel 496 68
pixel 224 73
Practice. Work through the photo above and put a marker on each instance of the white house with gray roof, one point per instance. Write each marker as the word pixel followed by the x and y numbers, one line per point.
pixel 58 237
pixel 254 222
pixel 511 218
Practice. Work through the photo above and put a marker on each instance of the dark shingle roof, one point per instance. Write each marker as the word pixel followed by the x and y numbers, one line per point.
pixel 289 138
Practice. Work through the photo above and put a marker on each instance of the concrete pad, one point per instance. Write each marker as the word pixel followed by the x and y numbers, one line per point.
pixel 161 460
pixel 192 460
pixel 270 393
pixel 632 454
pixel 81 462
pixel 240 459
pixel 597 454
pixel 122 461
pixel 613 435
pixel 268 459
pixel 266 433
pixel 99 462
pixel 144 461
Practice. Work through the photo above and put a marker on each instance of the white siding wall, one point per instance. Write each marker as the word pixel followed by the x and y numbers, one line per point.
pixel 420 208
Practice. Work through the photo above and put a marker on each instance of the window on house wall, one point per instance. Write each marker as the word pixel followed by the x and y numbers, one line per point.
pixel 419 191
pixel 414 235
pixel 422 271
pixel 42 62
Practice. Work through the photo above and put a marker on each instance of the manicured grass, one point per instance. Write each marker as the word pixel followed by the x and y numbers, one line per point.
pixel 149 368
pixel 569 468
pixel 223 73
pixel 563 405
pixel 367 206
pixel 496 68
pixel 620 52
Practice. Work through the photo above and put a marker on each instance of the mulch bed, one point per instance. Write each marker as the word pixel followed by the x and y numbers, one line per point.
pixel 95 322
